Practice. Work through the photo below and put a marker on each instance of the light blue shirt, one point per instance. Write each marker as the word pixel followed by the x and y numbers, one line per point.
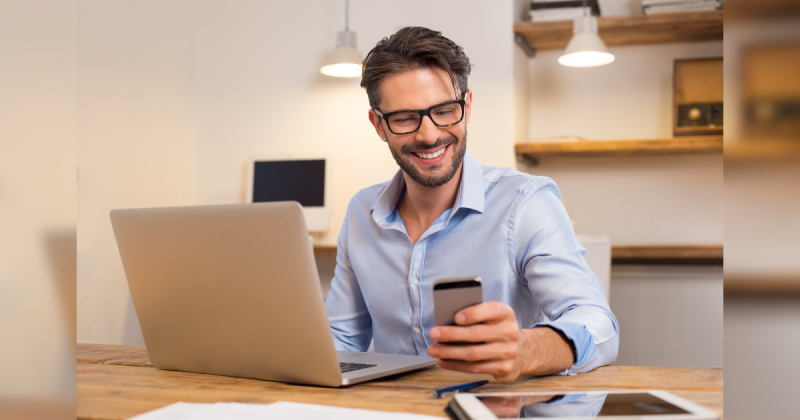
pixel 508 228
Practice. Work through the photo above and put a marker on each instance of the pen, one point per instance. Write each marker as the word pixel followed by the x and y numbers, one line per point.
pixel 458 388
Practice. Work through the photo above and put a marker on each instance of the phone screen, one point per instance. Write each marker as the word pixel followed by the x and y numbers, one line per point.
pixel 578 405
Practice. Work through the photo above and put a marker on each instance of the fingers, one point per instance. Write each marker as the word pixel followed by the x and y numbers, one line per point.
pixel 502 370
pixel 494 326
pixel 476 353
pixel 480 333
pixel 488 312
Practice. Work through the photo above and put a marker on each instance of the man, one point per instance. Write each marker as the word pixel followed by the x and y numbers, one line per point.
pixel 444 215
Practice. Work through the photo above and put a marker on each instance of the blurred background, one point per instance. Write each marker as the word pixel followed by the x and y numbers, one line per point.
pixel 166 103
pixel 38 208
pixel 762 199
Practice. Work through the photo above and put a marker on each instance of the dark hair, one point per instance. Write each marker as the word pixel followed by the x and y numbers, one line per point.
pixel 412 48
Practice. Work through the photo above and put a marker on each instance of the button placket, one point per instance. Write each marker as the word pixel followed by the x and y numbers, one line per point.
pixel 415 271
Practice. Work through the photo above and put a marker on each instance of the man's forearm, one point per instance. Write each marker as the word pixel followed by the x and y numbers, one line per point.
pixel 545 351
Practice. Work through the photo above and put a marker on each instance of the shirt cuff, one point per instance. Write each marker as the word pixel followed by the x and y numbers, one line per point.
pixel 581 339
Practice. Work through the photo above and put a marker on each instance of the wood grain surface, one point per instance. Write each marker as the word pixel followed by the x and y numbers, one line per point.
pixel 629 30
pixel 112 355
pixel 631 254
pixel 667 254
pixel 669 146
pixel 117 382
pixel 761 150
pixel 763 285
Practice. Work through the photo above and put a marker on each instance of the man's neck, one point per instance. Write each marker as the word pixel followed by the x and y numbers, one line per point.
pixel 419 206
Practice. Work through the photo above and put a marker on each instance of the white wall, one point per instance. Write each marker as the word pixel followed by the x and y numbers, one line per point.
pixel 630 98
pixel 665 199
pixel 37 199
pixel 762 335
pixel 136 141
pixel 668 315
pixel 641 200
pixel 260 90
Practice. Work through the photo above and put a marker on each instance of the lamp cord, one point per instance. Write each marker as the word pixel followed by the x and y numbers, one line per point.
pixel 584 8
pixel 347 14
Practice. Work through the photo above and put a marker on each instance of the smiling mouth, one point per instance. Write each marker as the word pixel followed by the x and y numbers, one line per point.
pixel 433 155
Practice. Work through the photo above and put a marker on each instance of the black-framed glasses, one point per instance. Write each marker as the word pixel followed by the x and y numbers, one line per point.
pixel 408 121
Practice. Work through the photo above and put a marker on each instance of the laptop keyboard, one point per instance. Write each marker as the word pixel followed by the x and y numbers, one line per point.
pixel 349 367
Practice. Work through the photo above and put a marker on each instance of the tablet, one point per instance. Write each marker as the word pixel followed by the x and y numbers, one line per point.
pixel 606 405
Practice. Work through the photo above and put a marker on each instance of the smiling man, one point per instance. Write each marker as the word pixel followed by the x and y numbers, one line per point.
pixel 445 215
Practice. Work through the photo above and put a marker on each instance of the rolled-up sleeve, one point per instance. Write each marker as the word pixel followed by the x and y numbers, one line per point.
pixel 549 257
pixel 350 321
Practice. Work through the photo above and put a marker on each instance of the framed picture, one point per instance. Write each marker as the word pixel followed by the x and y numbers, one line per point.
pixel 697 103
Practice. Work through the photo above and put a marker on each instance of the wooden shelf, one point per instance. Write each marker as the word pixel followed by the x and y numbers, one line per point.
pixel 629 30
pixel 627 254
pixel 762 150
pixel 667 254
pixel 673 146
pixel 325 251
pixel 769 285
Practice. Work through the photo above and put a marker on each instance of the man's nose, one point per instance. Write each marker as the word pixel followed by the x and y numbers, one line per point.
pixel 428 131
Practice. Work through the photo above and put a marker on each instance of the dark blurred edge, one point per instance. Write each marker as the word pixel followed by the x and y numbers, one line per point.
pixel 62 255
pixel 760 9
pixel 37 409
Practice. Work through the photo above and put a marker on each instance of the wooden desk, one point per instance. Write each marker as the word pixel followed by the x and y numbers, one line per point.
pixel 118 382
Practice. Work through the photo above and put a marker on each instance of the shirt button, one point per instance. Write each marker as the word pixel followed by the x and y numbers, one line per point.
pixel 414 280
pixel 417 330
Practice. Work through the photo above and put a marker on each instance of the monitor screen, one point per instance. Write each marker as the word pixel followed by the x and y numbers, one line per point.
pixel 282 180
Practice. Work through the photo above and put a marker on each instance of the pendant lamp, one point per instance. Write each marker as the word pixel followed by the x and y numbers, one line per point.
pixel 345 60
pixel 585 49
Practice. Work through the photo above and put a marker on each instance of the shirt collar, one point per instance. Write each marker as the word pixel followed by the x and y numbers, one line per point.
pixel 470 192
pixel 387 200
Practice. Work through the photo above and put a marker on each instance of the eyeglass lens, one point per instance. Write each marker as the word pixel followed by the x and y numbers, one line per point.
pixel 444 115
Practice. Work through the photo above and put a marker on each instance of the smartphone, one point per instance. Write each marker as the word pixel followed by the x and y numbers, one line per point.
pixel 453 295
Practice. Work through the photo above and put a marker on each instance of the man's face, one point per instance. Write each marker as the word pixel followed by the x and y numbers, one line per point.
pixel 432 155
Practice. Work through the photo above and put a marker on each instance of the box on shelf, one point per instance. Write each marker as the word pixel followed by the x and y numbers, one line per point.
pixel 654 7
pixel 557 10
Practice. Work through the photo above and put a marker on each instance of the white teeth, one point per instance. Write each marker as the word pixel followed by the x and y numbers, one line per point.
pixel 431 155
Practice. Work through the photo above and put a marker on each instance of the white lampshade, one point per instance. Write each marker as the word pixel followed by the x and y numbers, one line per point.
pixel 346 60
pixel 585 49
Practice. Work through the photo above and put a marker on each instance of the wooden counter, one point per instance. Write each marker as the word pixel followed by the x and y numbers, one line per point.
pixel 118 382
pixel 628 254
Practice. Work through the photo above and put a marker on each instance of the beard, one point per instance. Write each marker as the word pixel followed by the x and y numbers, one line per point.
pixel 459 148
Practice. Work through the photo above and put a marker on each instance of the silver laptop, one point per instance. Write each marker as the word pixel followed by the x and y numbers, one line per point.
pixel 233 290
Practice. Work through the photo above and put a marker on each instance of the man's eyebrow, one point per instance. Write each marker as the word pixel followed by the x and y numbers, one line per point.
pixel 420 109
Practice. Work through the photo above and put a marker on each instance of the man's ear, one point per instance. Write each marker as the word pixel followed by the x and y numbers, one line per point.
pixel 375 120
pixel 468 106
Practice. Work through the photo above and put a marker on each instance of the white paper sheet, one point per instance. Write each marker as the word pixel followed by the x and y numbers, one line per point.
pixel 280 410
pixel 177 411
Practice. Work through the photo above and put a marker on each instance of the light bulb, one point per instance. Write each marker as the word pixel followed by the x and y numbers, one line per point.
pixel 346 60
pixel 585 49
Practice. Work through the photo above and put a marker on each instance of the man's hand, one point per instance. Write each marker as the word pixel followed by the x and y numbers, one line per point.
pixel 501 349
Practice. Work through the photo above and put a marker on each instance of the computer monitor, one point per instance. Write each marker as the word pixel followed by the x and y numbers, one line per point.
pixel 301 179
